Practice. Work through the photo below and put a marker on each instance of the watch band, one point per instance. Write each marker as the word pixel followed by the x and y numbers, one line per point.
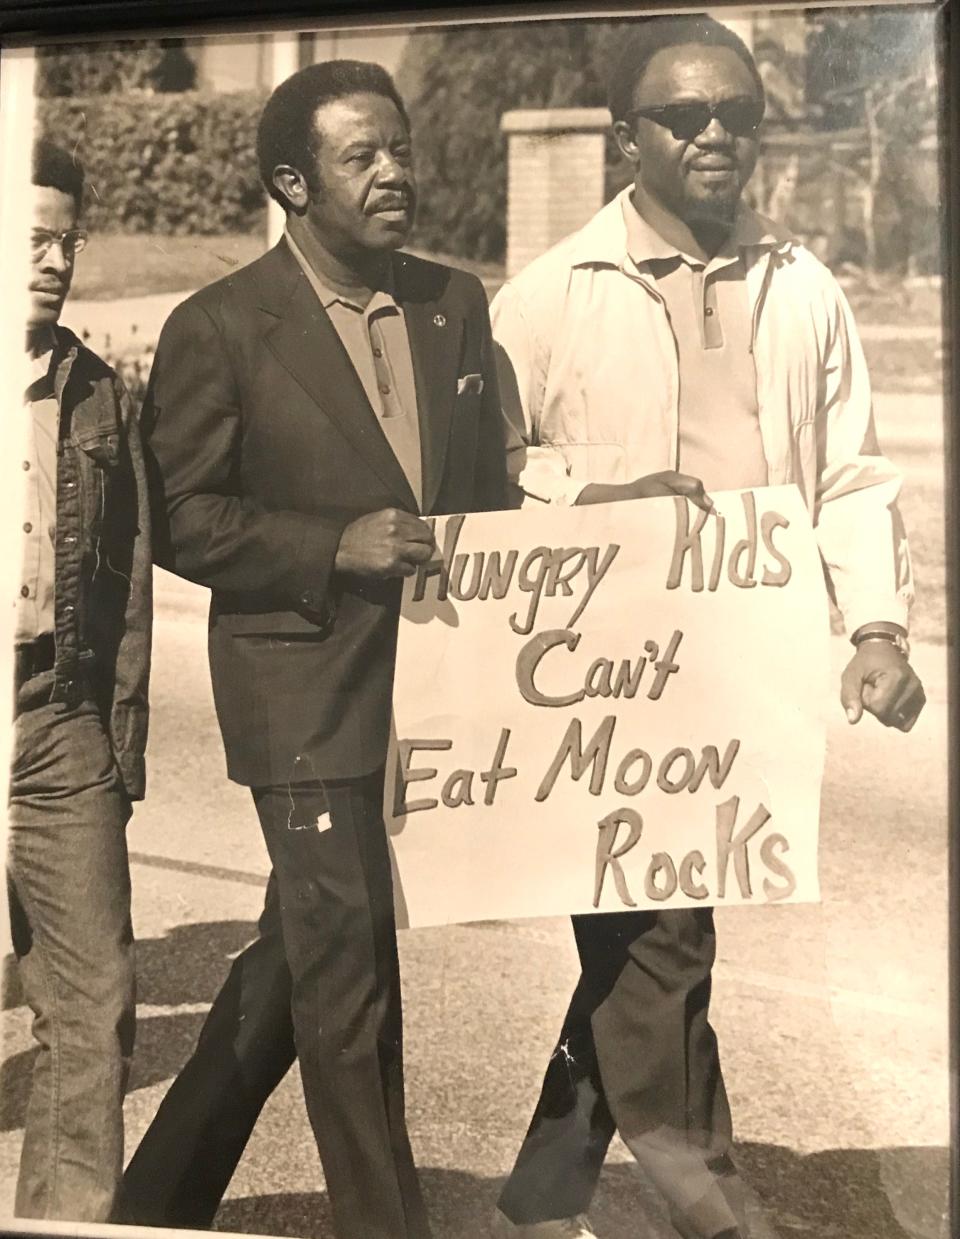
pixel 870 633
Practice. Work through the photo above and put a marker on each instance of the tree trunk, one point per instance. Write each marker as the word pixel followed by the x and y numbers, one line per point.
pixel 871 107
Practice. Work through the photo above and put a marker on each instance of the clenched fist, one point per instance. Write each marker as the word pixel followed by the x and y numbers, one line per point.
pixel 385 544
pixel 879 679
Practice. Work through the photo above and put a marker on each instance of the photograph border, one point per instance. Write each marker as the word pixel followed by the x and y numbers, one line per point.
pixel 44 21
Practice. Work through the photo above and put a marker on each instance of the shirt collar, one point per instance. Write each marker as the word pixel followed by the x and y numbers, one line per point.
pixel 606 240
pixel 40 360
pixel 382 298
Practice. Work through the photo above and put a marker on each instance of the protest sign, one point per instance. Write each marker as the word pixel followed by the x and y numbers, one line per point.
pixel 610 706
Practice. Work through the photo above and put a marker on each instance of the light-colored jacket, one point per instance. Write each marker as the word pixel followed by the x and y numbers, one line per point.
pixel 590 385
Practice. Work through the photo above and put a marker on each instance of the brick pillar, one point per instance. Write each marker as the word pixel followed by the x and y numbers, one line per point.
pixel 554 176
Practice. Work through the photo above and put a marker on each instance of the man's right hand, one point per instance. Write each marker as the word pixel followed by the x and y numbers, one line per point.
pixel 669 482
pixel 385 544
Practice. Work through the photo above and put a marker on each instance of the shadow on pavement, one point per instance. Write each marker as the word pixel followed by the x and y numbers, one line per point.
pixel 15 1074
pixel 887 1193
pixel 190 962
pixel 164 1043
pixel 895 1193
pixel 11 993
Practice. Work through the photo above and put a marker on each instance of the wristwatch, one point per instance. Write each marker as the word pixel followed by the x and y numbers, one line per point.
pixel 883 632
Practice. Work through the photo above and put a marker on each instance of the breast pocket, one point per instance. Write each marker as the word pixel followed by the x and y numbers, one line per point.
pixel 462 444
pixel 96 458
pixel 102 448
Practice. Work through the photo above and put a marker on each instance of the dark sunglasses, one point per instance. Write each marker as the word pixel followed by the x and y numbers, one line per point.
pixel 740 117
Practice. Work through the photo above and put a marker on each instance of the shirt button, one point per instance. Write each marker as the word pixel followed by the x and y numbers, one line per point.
pixel 27 527
pixel 708 311
pixel 24 591
pixel 385 389
pixel 378 352
pixel 26 465
pixel 68 610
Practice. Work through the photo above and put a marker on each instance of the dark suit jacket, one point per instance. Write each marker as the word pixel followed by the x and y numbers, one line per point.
pixel 263 447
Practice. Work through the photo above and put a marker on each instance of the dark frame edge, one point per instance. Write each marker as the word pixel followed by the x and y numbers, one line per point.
pixel 949 28
pixel 26 20
pixel 23 22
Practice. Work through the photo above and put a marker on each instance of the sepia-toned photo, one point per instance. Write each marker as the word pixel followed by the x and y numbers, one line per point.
pixel 475 544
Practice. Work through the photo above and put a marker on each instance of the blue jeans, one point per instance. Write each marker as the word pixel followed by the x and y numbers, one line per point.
pixel 69 888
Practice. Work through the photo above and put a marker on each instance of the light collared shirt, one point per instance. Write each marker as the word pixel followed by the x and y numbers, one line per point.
pixel 718 437
pixel 35 604
pixel 376 340
pixel 590 387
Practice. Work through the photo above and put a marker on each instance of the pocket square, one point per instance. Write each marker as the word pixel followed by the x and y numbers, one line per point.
pixel 471 384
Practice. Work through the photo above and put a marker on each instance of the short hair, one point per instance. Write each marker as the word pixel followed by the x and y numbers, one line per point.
pixel 654 34
pixel 286 133
pixel 56 168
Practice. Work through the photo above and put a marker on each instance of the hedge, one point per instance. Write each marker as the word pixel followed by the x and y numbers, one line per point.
pixel 164 164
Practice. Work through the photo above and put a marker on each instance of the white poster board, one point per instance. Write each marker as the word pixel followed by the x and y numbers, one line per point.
pixel 610 706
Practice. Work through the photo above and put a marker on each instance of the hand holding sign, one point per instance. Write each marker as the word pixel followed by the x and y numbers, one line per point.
pixel 390 543
pixel 652 486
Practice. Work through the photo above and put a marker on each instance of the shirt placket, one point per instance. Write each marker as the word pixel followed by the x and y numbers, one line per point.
pixel 704 288
pixel 390 404
pixel 33 532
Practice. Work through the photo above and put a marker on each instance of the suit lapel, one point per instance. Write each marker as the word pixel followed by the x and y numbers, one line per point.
pixel 306 343
pixel 435 339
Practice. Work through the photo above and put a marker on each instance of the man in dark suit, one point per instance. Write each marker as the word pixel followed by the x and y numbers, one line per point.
pixel 302 415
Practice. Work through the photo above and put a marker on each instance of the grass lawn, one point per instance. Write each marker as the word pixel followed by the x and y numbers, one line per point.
pixel 893 300
pixel 122 265
pixel 905 365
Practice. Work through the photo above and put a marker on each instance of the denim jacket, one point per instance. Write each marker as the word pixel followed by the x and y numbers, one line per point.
pixel 103 593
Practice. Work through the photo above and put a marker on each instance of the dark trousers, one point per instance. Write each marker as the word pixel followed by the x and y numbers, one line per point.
pixel 69 893
pixel 323 976
pixel 636 1054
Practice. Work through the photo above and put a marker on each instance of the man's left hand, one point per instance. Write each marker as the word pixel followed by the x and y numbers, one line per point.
pixel 880 680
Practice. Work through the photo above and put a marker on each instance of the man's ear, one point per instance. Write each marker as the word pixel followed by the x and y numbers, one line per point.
pixel 291 185
pixel 626 140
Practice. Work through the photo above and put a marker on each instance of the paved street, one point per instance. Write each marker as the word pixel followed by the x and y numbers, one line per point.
pixel 831 1018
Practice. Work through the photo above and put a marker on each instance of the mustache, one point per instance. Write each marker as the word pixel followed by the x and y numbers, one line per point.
pixel 393 202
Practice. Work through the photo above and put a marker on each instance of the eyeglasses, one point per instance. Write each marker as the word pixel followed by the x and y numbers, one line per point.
pixel 71 242
pixel 740 117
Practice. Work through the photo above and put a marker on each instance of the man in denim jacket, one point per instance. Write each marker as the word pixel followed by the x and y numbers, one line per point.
pixel 82 664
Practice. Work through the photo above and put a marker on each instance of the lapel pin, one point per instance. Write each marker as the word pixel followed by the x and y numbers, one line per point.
pixel 439 320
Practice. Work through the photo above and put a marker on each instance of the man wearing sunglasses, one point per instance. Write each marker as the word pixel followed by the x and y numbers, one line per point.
pixel 680 343
pixel 83 618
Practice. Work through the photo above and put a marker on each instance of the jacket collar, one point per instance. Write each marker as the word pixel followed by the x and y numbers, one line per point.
pixel 603 239
pixel 304 340
pixel 382 296
pixel 66 349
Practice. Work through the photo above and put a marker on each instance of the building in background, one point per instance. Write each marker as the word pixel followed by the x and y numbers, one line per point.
pixel 234 62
